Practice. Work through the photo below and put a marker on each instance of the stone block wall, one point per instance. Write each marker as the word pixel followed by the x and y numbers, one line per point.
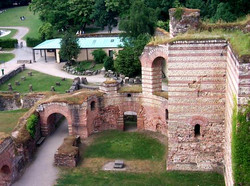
pixel 6 77
pixel 196 89
pixel 238 88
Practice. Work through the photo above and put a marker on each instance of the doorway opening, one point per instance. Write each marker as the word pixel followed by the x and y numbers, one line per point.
pixel 130 121
pixel 57 120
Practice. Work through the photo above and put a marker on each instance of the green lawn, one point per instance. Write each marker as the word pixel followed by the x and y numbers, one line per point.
pixel 6 57
pixel 86 65
pixel 40 82
pixel 12 18
pixel 83 176
pixel 9 119
pixel 13 32
pixel 125 145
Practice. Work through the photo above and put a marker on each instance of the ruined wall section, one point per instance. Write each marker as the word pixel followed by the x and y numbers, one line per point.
pixel 238 87
pixel 196 91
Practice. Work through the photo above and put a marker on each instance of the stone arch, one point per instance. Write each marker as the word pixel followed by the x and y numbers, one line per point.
pixel 152 61
pixel 198 123
pixel 134 107
pixel 46 127
pixel 5 172
pixel 5 169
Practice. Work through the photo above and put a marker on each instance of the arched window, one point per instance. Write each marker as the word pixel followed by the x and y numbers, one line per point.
pixel 197 131
pixel 92 105
pixel 166 114
pixel 128 95
pixel 5 169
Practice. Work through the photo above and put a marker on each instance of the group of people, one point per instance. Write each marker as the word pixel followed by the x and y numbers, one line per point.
pixel 22 18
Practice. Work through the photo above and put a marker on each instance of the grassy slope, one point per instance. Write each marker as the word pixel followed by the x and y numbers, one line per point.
pixel 6 57
pixel 40 82
pixel 12 18
pixel 9 119
pixel 13 32
pixel 126 145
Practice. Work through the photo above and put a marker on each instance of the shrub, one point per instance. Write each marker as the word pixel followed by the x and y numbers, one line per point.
pixel 178 13
pixel 8 43
pixel 99 55
pixel 32 42
pixel 108 63
pixel 163 24
pixel 31 125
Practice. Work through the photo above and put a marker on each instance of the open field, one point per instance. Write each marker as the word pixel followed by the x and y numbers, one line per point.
pixel 12 18
pixel 6 57
pixel 9 119
pixel 40 82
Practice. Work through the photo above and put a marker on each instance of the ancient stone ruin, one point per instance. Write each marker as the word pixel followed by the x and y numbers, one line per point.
pixel 195 112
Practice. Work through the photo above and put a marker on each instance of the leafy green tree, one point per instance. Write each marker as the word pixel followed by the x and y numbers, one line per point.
pixel 197 4
pixel 224 12
pixel 103 16
pixel 46 31
pixel 108 63
pixel 69 47
pixel 99 55
pixel 127 61
pixel 140 20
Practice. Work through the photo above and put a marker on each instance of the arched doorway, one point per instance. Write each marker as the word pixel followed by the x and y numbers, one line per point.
pixel 57 120
pixel 130 121
pixel 160 74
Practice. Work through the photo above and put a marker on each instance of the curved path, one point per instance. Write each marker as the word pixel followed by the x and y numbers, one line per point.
pixel 42 172
pixel 51 68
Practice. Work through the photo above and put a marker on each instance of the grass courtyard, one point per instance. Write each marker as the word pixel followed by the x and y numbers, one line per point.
pixel 39 81
pixel 5 57
pixel 12 18
pixel 144 155
pixel 9 119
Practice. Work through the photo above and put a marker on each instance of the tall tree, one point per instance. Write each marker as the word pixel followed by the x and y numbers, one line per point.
pixel 104 16
pixel 139 21
pixel 127 61
pixel 69 47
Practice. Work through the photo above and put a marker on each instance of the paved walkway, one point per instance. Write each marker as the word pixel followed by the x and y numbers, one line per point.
pixel 41 171
pixel 51 67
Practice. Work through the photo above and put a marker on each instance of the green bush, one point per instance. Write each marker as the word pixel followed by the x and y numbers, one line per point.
pixel 163 24
pixel 8 43
pixel 178 13
pixel 108 63
pixel 31 125
pixel 99 55
pixel 241 145
pixel 32 42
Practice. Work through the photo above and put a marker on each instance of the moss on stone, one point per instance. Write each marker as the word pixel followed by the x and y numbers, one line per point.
pixel 131 89
pixel 161 94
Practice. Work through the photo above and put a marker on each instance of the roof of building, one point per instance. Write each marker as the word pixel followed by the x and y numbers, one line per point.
pixel 89 42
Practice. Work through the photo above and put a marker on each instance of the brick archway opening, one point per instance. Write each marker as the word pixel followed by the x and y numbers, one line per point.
pixel 130 121
pixel 54 120
pixel 5 170
pixel 160 74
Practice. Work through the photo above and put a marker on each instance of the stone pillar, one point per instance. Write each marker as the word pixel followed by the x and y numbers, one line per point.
pixel 189 20
pixel 109 87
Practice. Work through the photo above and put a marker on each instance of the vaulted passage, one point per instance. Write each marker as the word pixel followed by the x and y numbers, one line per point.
pixel 130 121
pixel 54 121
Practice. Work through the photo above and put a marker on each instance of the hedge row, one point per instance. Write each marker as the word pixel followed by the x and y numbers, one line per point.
pixel 8 43
pixel 32 42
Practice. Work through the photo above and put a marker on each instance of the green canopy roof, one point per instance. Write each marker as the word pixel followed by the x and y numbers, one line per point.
pixel 88 42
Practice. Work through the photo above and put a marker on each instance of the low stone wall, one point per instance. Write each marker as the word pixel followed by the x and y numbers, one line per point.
pixel 6 77
pixel 68 153
pixel 14 101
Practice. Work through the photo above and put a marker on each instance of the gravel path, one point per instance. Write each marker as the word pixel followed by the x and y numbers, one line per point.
pixel 41 171
pixel 51 67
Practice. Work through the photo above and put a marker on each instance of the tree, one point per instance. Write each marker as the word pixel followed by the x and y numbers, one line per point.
pixel 197 4
pixel 108 63
pixel 103 16
pixel 99 55
pixel 140 20
pixel 46 31
pixel 224 12
pixel 127 61
pixel 69 47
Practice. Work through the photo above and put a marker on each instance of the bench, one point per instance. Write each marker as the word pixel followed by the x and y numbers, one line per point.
pixel 23 61
pixel 40 141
